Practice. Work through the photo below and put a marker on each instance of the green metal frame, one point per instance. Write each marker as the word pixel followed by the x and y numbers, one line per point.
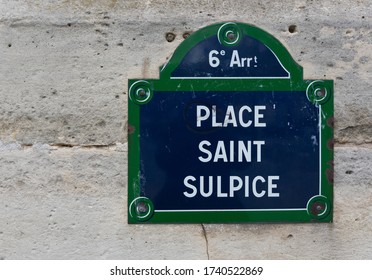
pixel 319 92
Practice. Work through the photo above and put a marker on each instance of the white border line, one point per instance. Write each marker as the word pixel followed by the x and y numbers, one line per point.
pixel 229 210
pixel 320 150
pixel 285 69
pixel 228 78
pixel 287 209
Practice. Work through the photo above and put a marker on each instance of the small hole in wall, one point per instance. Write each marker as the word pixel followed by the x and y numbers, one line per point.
pixel 292 28
pixel 170 36
pixel 186 34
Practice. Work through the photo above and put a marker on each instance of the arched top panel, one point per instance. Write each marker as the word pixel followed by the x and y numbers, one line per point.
pixel 231 51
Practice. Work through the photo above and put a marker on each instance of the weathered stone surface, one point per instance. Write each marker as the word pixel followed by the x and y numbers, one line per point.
pixel 348 237
pixel 63 203
pixel 64 67
pixel 70 203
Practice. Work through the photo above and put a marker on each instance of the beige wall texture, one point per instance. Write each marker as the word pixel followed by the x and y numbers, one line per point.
pixel 64 67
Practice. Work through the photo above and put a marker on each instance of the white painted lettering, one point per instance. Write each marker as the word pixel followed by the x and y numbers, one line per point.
pixel 254 186
pixel 188 185
pixel 241 111
pixel 246 186
pixel 230 117
pixel 219 190
pixel 232 154
pixel 230 151
pixel 235 59
pixel 244 150
pixel 249 59
pixel 233 187
pixel 220 152
pixel 238 61
pixel 258 116
pixel 214 117
pixel 199 116
pixel 272 186
pixel 233 116
pixel 210 186
pixel 203 150
pixel 258 144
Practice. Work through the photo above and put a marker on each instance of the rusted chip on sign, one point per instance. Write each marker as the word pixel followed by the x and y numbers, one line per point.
pixel 329 172
pixel 331 122
pixel 330 144
pixel 317 208
pixel 131 129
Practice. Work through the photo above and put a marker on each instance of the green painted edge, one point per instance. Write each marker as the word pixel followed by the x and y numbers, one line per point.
pixel 133 153
pixel 294 84
pixel 250 30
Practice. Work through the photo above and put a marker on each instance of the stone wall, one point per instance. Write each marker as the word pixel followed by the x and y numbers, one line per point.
pixel 64 67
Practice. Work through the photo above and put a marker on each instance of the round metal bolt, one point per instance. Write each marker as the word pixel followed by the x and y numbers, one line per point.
pixel 231 36
pixel 318 92
pixel 142 208
pixel 142 93
pixel 321 92
pixel 318 208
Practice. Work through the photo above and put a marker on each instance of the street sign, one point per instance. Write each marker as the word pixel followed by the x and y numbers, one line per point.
pixel 230 133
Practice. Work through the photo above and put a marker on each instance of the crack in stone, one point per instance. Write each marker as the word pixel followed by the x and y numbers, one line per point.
pixel 341 144
pixel 66 145
pixel 206 240
pixel 11 146
pixel 88 146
